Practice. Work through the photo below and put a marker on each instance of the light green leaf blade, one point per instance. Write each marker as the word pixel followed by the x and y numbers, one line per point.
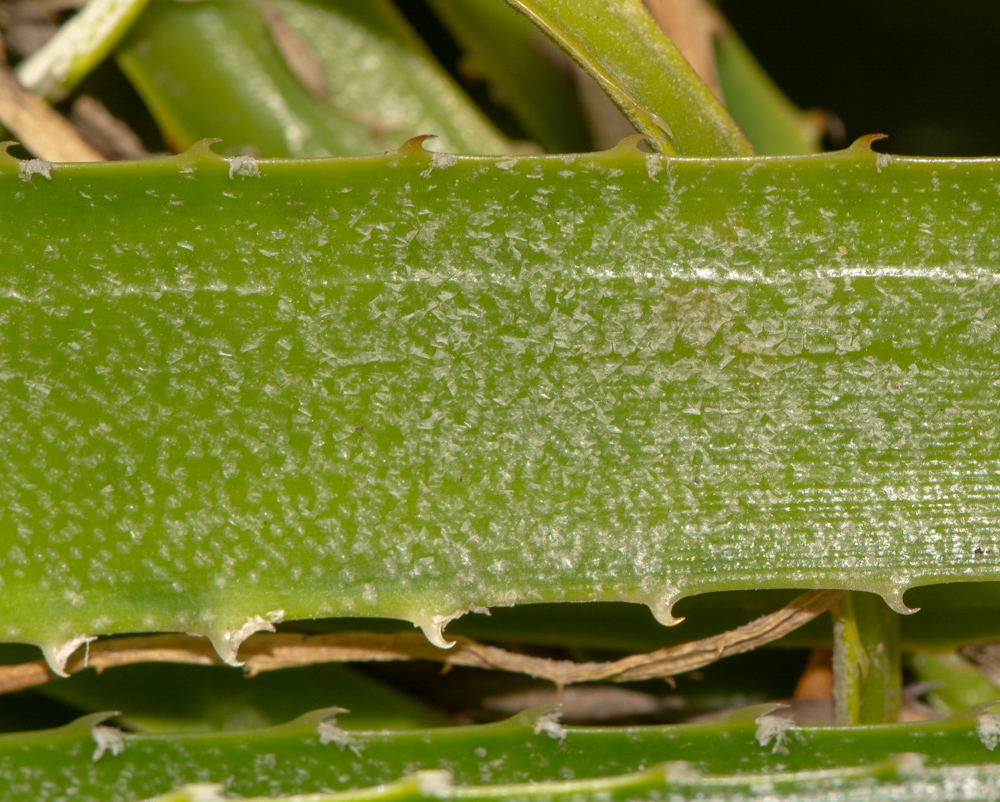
pixel 620 45
pixel 216 69
pixel 305 757
pixel 955 682
pixel 612 377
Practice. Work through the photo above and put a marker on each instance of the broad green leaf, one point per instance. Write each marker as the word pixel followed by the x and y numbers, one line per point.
pixel 312 754
pixel 208 698
pixel 621 46
pixel 215 69
pixel 502 49
pixel 413 384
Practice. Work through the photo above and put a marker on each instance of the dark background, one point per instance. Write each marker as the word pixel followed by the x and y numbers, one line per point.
pixel 925 73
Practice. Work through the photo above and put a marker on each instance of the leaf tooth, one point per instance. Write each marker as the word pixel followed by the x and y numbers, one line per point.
pixel 58 654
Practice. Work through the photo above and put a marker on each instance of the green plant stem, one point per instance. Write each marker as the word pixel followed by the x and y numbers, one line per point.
pixel 866 661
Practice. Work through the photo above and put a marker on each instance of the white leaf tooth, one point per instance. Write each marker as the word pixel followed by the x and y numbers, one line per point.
pixel 988 729
pixel 770 727
pixel 227 642
pixel 550 724
pixel 662 608
pixel 893 596
pixel 433 626
pixel 57 654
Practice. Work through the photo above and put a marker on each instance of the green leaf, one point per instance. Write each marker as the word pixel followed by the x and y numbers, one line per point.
pixel 216 69
pixel 621 46
pixel 210 698
pixel 902 777
pixel 410 384
pixel 955 683
pixel 528 748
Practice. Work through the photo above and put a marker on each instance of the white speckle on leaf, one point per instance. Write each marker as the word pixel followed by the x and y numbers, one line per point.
pixel 330 733
pixel 432 782
pixel 31 167
pixel 988 729
pixel 245 166
pixel 506 164
pixel 773 728
pixel 882 160
pixel 654 164
pixel 549 724
pixel 443 160
pixel 108 739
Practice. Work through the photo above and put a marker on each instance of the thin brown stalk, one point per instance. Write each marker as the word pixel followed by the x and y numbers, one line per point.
pixel 272 651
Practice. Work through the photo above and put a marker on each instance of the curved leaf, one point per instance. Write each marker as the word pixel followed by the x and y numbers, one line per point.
pixel 620 45
pixel 216 69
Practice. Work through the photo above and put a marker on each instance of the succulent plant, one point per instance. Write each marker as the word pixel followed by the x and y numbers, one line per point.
pixel 268 403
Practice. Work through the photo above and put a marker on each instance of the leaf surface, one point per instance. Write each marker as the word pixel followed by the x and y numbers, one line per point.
pixel 410 384
pixel 528 748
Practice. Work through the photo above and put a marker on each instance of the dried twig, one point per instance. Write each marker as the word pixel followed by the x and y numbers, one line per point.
pixel 41 129
pixel 104 132
pixel 271 651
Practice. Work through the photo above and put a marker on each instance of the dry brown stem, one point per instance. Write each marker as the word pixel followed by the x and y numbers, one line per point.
pixel 271 651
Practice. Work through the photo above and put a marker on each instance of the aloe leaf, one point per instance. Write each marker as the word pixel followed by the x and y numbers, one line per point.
pixel 903 777
pixel 410 384
pixel 209 698
pixel 502 48
pixel 772 123
pixel 311 753
pixel 215 69
pixel 56 68
pixel 621 46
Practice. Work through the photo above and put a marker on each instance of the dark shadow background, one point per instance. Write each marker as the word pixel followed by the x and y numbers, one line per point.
pixel 925 73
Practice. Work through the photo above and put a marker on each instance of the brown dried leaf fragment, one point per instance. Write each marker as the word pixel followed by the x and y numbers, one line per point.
pixel 692 25
pixel 39 127
pixel 297 54
pixel 105 132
